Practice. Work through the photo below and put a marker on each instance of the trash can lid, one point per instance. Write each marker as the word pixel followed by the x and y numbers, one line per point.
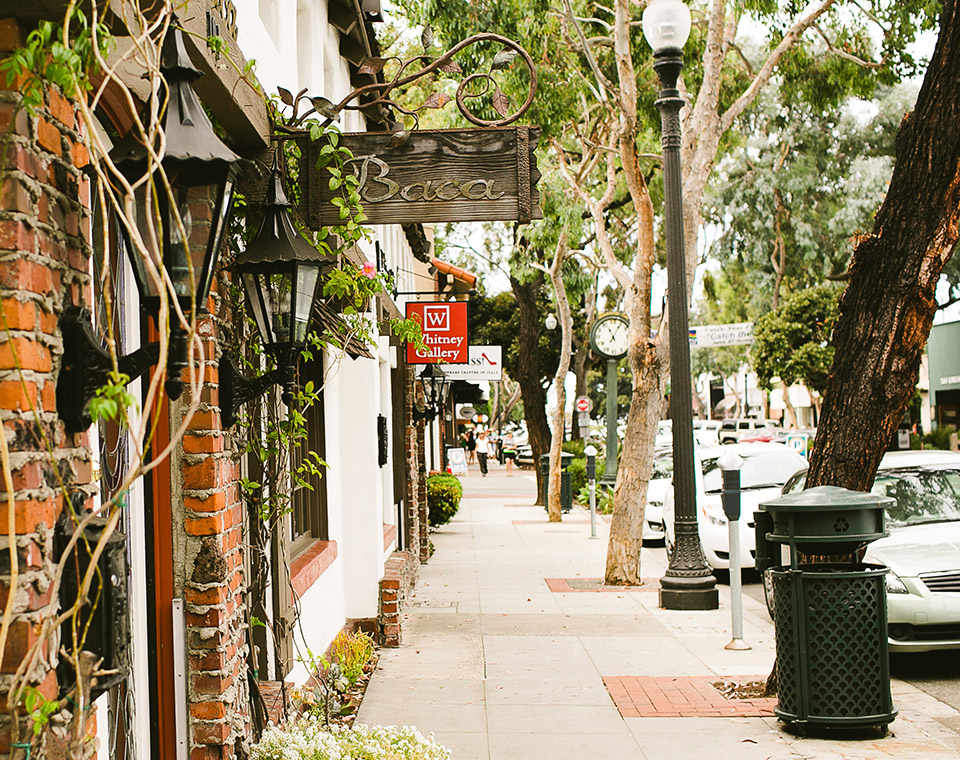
pixel 827 499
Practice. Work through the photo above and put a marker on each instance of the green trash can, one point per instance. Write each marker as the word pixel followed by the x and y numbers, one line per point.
pixel 566 486
pixel 830 610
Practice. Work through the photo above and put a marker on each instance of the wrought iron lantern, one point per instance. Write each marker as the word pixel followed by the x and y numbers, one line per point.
pixel 280 273
pixel 182 231
pixel 436 387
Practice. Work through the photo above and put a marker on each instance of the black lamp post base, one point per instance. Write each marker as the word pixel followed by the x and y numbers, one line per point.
pixel 689 593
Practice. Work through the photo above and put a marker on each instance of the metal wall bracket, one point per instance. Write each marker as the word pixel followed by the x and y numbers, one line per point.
pixel 236 390
pixel 86 367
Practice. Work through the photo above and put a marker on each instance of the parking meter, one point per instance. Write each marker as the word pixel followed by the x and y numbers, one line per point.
pixel 730 464
pixel 591 453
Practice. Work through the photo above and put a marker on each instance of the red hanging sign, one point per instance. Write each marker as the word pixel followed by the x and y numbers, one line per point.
pixel 444 333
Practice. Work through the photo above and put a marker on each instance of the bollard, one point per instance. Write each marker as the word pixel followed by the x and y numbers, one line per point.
pixel 730 464
pixel 591 453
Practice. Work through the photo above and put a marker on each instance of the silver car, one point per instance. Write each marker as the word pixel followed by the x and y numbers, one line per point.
pixel 922 550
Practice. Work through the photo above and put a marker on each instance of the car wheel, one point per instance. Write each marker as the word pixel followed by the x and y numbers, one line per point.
pixel 768 592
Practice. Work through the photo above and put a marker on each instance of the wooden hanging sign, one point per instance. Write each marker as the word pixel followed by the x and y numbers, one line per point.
pixel 470 175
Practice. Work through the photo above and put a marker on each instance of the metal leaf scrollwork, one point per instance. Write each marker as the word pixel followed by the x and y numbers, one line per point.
pixel 473 87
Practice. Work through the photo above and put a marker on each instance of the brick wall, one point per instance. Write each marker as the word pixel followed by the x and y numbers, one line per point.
pixel 213 586
pixel 43 268
pixel 399 575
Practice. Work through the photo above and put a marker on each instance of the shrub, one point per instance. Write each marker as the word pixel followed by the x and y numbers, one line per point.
pixel 443 498
pixel 574 447
pixel 578 474
pixel 307 739
pixel 604 499
pixel 939 437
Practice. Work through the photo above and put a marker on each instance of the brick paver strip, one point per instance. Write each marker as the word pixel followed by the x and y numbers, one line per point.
pixel 568 585
pixel 545 521
pixel 683 697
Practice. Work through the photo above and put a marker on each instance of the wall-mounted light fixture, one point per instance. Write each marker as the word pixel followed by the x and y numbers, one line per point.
pixel 201 170
pixel 435 387
pixel 280 273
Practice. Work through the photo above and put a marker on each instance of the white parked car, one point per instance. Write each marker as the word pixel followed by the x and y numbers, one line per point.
pixel 706 432
pixel 659 483
pixel 922 550
pixel 766 467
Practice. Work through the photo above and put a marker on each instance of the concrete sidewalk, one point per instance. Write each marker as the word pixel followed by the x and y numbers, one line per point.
pixel 512 650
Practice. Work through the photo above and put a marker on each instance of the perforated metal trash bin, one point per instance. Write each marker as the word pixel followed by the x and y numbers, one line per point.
pixel 831 632
pixel 830 610
pixel 566 486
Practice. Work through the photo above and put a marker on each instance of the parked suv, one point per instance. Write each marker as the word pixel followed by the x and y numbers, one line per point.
pixel 731 431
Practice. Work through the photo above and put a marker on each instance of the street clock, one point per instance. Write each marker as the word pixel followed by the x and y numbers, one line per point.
pixel 608 338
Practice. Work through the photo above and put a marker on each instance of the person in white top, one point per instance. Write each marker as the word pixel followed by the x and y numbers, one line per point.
pixel 483 451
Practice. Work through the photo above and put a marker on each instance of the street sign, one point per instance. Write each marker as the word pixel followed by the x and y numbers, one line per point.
pixel 798 442
pixel 583 404
pixel 711 336
pixel 457 461
pixel 483 363
pixel 444 328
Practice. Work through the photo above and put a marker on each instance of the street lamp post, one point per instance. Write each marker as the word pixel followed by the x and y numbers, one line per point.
pixel 688 583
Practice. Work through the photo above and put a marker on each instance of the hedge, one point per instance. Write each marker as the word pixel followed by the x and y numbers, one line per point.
pixel 443 498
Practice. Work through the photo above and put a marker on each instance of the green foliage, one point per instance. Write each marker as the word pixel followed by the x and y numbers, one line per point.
pixel 46 59
pixel 352 651
pixel 574 447
pixel 111 402
pixel 938 438
pixel 443 498
pixel 578 474
pixel 604 499
pixel 39 709
pixel 793 342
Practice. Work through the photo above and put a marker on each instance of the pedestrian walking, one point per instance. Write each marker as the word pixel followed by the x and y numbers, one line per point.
pixel 471 443
pixel 483 451
pixel 509 452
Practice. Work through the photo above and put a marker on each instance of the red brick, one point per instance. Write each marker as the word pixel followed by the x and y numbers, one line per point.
pixel 208 710
pixel 205 526
pixel 206 752
pixel 25 354
pixel 16 197
pixel 29 476
pixel 203 444
pixel 215 502
pixel 61 109
pixel 214 685
pixel 30 513
pixel 19 315
pixel 209 420
pixel 215 595
pixel 210 733
pixel 13 119
pixel 49 137
pixel 18 395
pixel 213 660
pixel 16 236
pixel 22 274
pixel 80 154
pixel 201 475
pixel 21 638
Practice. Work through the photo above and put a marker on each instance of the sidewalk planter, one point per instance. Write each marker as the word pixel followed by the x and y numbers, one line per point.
pixel 307 739
pixel 443 498
pixel 830 610
pixel 566 487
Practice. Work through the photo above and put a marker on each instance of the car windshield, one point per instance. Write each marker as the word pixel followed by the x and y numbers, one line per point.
pixel 760 470
pixel 662 468
pixel 922 496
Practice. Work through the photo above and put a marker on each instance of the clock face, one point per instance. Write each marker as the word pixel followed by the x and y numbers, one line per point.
pixel 610 336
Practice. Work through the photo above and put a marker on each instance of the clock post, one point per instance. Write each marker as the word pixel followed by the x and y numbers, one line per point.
pixel 609 478
pixel 608 338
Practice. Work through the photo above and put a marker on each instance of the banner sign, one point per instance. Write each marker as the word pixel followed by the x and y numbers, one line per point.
pixel 483 363
pixel 434 176
pixel 711 336
pixel 444 328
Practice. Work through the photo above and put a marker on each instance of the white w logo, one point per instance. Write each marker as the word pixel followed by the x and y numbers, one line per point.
pixel 437 318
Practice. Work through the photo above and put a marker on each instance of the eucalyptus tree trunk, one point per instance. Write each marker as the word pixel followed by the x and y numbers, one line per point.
pixel 554 505
pixel 887 309
pixel 528 373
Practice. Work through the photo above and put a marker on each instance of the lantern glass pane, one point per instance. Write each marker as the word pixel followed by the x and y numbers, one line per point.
pixel 251 285
pixel 307 276
pixel 150 227
pixel 178 254
pixel 278 296
pixel 222 215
